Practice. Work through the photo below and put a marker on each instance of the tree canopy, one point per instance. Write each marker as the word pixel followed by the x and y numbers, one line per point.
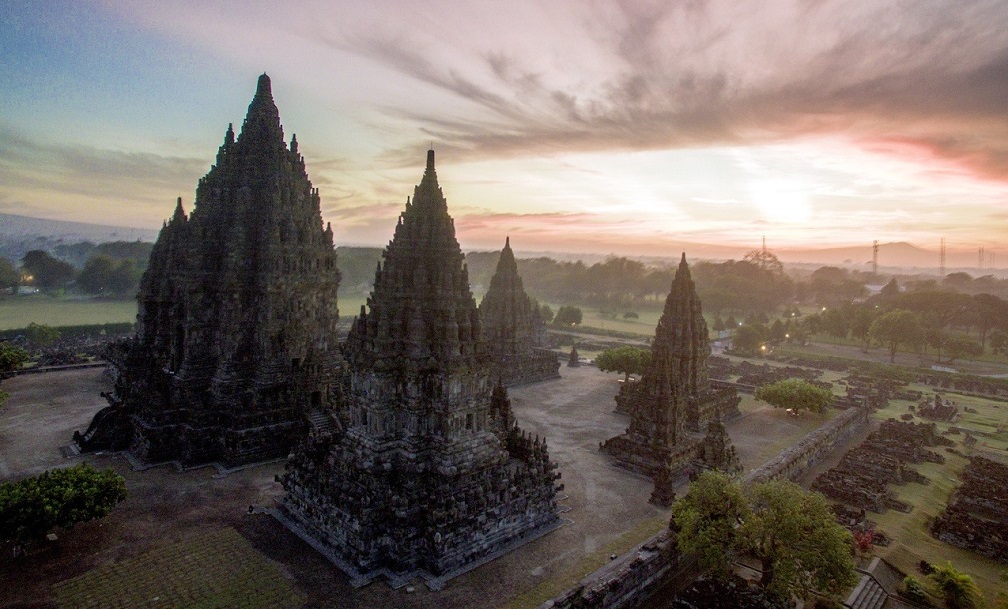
pixel 793 533
pixel 707 521
pixel 626 359
pixel 568 316
pixel 798 541
pixel 47 272
pixel 32 507
pixel 895 328
pixel 796 394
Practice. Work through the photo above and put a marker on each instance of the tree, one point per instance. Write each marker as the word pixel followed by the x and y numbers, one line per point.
pixel 626 359
pixel 719 324
pixel 546 312
pixel 32 507
pixel 8 274
pixel 707 521
pixel 41 335
pixel 46 272
pixel 748 338
pixel 895 328
pixel 793 533
pixel 568 316
pixel 795 394
pixel 798 541
pixel 998 341
pixel 956 587
pixel 959 346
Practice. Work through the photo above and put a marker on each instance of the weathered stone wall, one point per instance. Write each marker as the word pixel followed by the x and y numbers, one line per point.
pixel 794 461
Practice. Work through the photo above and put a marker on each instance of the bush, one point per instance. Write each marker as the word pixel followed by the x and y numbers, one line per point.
pixel 32 507
pixel 914 591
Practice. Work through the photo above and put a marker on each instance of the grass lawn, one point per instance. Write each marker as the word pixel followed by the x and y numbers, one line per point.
pixel 211 570
pixel 910 532
pixel 19 311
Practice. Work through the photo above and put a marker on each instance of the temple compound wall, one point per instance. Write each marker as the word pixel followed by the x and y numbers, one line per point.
pixel 794 461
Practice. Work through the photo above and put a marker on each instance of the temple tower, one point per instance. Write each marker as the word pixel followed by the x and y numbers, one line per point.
pixel 673 400
pixel 513 328
pixel 237 310
pixel 429 473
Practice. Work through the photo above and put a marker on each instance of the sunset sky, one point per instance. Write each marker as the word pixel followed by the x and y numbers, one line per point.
pixel 627 127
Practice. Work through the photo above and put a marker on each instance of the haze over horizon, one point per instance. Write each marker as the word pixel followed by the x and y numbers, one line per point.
pixel 579 127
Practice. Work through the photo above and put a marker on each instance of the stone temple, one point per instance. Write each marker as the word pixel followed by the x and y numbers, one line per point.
pixel 514 329
pixel 425 470
pixel 235 342
pixel 674 401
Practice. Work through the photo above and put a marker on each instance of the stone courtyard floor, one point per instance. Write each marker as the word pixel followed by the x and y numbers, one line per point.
pixel 168 509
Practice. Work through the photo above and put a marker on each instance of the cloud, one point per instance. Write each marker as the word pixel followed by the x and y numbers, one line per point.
pixel 86 182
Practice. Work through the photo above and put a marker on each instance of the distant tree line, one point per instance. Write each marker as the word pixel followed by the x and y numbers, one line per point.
pixel 108 269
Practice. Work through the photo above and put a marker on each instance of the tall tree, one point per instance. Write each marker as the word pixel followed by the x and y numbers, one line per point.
pixel 897 327
pixel 707 521
pixel 8 274
pixel 46 272
pixel 797 539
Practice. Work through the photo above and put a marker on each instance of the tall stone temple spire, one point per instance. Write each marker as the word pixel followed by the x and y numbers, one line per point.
pixel 673 401
pixel 514 329
pixel 236 327
pixel 428 472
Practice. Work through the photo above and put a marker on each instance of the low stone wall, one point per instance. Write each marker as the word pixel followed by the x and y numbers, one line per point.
pixel 792 462
pixel 630 579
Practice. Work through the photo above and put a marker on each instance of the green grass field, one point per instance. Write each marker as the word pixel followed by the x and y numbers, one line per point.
pixel 912 539
pixel 208 571
pixel 19 311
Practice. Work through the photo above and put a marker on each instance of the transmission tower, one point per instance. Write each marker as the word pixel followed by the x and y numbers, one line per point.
pixel 874 257
pixel 941 257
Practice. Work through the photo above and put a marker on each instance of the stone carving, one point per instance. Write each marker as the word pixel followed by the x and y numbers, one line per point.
pixel 428 471
pixel 513 328
pixel 237 311
pixel 674 397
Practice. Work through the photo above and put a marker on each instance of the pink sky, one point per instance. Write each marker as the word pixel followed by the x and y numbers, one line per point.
pixel 579 126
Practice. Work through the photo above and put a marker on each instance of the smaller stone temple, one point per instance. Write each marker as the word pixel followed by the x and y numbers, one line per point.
pixel 427 472
pixel 514 329
pixel 674 403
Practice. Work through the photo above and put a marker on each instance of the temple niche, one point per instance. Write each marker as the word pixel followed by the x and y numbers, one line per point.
pixel 429 471
pixel 674 403
pixel 235 341
pixel 514 329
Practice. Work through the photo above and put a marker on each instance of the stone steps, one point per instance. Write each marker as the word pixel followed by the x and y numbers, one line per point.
pixel 320 422
pixel 868 594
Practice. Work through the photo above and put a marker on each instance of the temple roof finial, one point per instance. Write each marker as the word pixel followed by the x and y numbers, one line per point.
pixel 430 160
pixel 507 241
pixel 263 87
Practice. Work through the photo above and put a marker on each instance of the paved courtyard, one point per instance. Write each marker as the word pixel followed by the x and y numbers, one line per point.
pixel 608 507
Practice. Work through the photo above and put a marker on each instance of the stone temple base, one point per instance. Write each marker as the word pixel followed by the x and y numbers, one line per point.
pixel 358 579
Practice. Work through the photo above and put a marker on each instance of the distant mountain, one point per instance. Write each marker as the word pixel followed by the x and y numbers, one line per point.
pixel 13 226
